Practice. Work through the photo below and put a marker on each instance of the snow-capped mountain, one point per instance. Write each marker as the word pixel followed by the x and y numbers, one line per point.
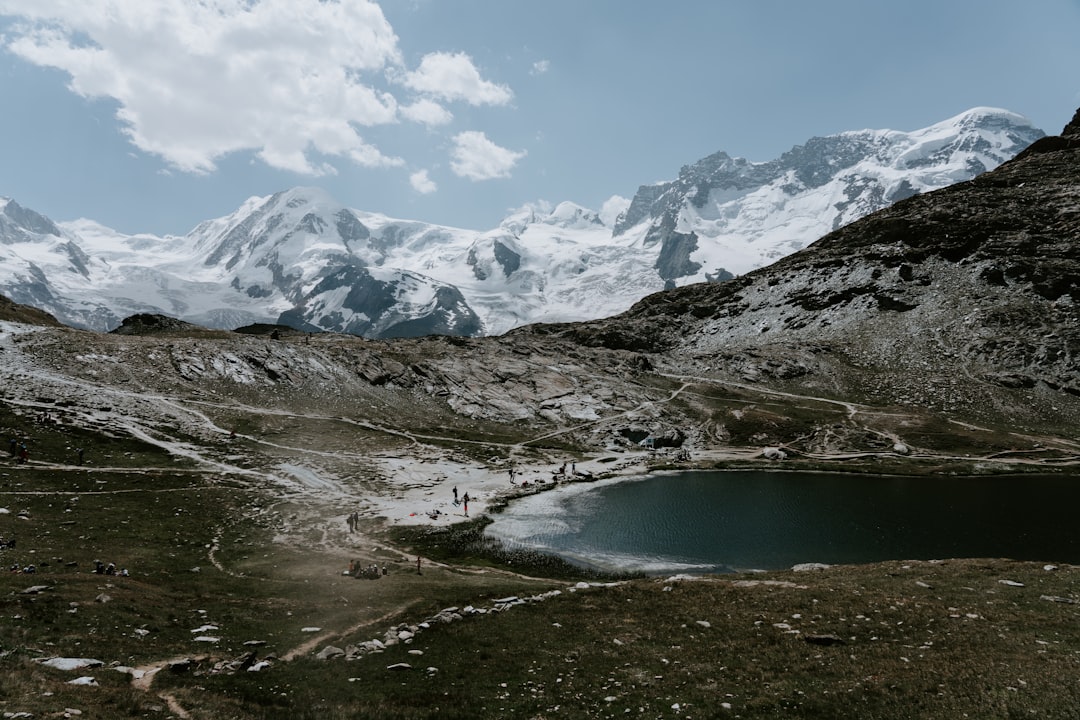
pixel 726 216
pixel 301 258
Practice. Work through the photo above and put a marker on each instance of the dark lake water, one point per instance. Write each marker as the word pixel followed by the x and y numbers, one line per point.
pixel 722 521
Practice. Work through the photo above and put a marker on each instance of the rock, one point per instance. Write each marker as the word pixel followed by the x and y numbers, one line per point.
pixel 329 652
pixel 1058 599
pixel 399 666
pixel 86 680
pixel 823 639
pixel 704 623
pixel 900 448
pixel 810 567
pixel 1011 583
pixel 60 663
pixel 103 598
pixel 35 589
pixel 773 453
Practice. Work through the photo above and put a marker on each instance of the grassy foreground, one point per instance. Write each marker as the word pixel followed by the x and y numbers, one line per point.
pixel 952 639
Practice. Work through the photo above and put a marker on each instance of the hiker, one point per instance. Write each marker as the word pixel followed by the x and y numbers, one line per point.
pixel 418 565
pixel 455 495
pixel 465 499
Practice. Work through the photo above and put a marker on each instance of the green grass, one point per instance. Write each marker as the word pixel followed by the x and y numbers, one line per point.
pixel 959 642
pixel 915 639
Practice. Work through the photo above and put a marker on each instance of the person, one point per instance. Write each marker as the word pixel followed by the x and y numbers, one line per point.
pixel 465 499
pixel 418 565
pixel 455 495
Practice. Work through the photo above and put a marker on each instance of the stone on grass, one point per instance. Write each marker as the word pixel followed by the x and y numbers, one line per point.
pixel 808 567
pixel 60 663
pixel 823 639
pixel 330 652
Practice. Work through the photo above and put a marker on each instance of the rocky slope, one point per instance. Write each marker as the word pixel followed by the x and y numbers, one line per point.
pixel 964 299
pixel 944 326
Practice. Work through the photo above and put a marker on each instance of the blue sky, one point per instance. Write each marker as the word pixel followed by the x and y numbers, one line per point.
pixel 153 115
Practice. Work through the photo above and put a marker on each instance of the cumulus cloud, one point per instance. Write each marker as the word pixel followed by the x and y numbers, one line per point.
pixel 477 158
pixel 612 208
pixel 195 81
pixel 453 76
pixel 421 183
pixel 427 112
pixel 540 67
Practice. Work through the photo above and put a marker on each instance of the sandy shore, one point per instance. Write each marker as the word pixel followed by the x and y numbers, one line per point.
pixel 423 488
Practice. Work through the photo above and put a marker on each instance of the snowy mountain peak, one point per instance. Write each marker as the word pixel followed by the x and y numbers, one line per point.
pixel 726 215
pixel 302 258
pixel 571 215
pixel 19 222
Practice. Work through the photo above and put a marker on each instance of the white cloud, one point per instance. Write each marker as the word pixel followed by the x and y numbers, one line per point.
pixel 421 183
pixel 477 158
pixel 540 67
pixel 452 76
pixel 612 208
pixel 196 81
pixel 427 112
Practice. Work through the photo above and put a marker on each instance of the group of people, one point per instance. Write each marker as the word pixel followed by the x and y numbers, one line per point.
pixel 101 568
pixel 370 572
pixel 463 500
pixel 353 521
pixel 21 452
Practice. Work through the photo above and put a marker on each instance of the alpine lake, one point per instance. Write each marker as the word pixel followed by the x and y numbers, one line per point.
pixel 728 521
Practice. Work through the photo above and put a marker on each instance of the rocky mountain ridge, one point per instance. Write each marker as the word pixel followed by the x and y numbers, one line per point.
pixel 965 298
pixel 943 327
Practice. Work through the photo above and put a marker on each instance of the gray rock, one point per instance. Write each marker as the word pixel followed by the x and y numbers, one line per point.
pixel 329 652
